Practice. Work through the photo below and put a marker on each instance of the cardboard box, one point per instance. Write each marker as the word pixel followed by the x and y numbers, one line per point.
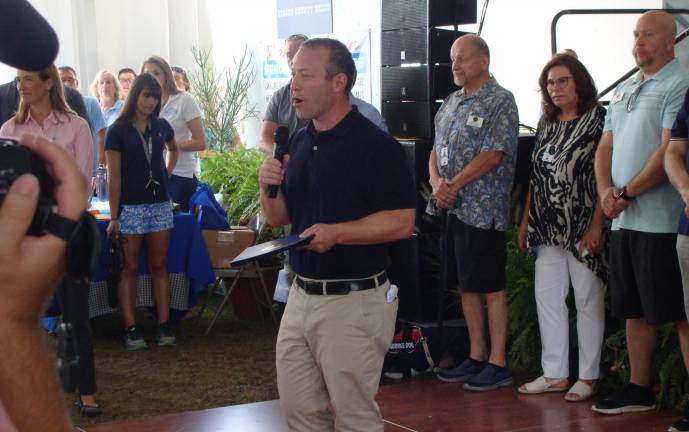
pixel 224 246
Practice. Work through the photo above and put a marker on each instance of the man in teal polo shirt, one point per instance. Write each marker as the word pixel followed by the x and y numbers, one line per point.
pixel 645 282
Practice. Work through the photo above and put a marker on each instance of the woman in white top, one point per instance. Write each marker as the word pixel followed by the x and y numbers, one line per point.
pixel 182 111
pixel 106 88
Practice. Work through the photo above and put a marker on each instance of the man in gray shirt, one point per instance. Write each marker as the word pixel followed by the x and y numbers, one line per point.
pixel 281 113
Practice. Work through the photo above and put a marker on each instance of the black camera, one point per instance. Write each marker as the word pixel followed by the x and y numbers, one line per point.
pixel 16 160
pixel 82 237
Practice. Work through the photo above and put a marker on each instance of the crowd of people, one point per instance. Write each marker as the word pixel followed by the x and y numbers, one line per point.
pixel 147 131
pixel 590 168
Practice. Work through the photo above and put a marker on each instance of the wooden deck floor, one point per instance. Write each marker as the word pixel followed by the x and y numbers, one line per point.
pixel 424 405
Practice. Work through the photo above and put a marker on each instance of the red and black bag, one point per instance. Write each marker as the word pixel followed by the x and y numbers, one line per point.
pixel 409 353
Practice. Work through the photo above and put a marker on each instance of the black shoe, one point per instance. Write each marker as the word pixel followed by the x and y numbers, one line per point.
pixel 630 398
pixel 165 337
pixel 88 410
pixel 682 424
pixel 134 340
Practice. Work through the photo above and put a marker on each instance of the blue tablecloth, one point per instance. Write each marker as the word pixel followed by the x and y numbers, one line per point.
pixel 187 262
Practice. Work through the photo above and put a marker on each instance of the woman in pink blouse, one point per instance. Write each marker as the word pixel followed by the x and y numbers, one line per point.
pixel 44 112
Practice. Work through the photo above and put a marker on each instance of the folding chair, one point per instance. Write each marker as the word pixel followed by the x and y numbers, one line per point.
pixel 251 271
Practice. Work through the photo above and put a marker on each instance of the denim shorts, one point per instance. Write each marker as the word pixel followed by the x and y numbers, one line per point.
pixel 146 218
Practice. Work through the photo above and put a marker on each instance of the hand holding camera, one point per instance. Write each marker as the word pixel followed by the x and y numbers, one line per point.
pixel 31 266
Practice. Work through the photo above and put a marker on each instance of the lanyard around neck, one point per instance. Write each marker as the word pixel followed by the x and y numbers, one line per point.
pixel 148 151
pixel 147 144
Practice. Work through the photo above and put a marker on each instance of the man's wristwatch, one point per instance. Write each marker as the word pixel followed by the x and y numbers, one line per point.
pixel 623 194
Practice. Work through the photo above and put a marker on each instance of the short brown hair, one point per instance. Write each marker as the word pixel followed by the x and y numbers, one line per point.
pixel 339 59
pixel 585 87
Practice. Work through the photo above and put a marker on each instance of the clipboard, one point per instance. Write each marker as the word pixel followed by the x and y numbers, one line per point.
pixel 261 250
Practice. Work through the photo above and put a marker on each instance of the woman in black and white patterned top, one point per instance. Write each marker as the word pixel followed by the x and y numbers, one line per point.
pixel 563 225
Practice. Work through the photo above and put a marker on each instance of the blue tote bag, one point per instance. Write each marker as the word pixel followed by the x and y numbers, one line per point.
pixel 209 214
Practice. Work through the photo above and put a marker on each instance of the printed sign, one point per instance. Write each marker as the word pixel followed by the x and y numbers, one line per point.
pixel 276 73
pixel 304 17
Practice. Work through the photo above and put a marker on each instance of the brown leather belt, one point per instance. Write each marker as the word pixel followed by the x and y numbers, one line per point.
pixel 340 287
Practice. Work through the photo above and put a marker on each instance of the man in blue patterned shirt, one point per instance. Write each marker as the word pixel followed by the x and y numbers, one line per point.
pixel 471 171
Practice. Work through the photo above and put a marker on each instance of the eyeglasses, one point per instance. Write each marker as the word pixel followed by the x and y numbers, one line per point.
pixel 559 83
pixel 633 97
pixel 177 69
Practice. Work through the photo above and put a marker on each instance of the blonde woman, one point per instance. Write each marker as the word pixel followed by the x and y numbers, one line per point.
pixel 106 88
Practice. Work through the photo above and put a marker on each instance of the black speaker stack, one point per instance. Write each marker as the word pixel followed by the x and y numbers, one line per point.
pixel 415 57
pixel 416 75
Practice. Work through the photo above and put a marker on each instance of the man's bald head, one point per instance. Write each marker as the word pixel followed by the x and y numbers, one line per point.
pixel 470 61
pixel 654 40
pixel 475 42
pixel 662 20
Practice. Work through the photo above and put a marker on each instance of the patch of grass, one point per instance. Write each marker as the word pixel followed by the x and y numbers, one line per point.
pixel 234 364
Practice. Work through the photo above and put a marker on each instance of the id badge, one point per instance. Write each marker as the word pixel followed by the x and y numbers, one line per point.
pixel 475 121
pixel 617 97
pixel 444 156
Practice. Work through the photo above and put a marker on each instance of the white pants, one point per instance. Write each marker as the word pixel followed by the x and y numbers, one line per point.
pixel 554 268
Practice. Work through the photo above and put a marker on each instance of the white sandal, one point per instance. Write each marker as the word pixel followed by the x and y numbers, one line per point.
pixel 581 391
pixel 542 385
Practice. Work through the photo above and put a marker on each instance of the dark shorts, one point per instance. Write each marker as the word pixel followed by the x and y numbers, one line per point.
pixel 181 189
pixel 645 281
pixel 480 256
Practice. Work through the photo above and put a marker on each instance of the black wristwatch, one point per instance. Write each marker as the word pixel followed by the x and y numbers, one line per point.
pixel 623 194
pixel 82 237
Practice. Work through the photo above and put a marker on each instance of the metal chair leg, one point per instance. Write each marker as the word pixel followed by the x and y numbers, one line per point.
pixel 225 299
pixel 204 306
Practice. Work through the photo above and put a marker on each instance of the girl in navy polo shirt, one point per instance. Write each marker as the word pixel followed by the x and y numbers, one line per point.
pixel 139 203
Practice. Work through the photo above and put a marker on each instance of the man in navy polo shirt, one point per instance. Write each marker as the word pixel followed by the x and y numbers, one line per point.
pixel 677 168
pixel 347 184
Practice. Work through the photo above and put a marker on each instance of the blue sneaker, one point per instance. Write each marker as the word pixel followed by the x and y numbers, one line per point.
pixel 462 373
pixel 490 378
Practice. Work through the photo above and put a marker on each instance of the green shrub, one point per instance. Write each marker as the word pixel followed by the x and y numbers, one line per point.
pixel 234 174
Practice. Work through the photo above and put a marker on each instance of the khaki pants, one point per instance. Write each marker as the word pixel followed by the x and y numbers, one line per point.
pixel 329 356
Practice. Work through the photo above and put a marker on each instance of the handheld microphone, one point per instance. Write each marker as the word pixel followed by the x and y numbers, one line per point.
pixel 29 43
pixel 281 149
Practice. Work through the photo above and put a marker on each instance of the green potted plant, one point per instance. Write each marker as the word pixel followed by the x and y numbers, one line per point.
pixel 229 168
pixel 223 96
